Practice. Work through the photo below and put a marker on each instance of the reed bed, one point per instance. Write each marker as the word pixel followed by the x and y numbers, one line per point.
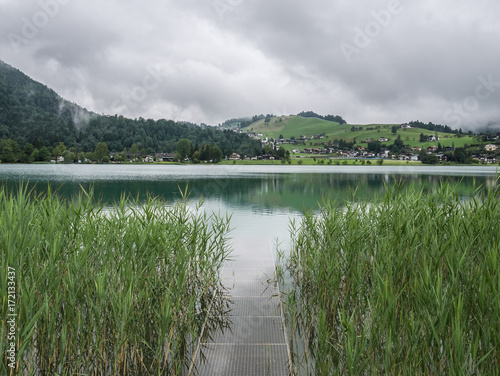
pixel 108 291
pixel 406 284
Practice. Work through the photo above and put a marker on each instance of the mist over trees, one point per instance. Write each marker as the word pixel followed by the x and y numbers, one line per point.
pixel 32 114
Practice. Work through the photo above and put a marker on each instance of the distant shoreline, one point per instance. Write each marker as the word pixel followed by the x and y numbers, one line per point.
pixel 305 162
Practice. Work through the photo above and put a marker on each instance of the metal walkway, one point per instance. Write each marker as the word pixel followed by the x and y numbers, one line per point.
pixel 256 344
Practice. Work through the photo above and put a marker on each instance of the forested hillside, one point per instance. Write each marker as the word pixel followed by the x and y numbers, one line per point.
pixel 160 136
pixel 33 114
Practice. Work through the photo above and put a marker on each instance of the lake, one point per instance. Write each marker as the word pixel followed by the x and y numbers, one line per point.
pixel 261 199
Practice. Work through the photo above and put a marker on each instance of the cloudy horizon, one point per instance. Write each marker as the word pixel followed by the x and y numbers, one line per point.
pixel 209 61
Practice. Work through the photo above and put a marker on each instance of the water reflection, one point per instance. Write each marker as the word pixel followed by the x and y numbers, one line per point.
pixel 262 192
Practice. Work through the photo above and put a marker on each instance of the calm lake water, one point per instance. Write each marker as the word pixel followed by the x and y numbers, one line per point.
pixel 261 199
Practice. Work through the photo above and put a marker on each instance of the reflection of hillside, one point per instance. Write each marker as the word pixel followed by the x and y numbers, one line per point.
pixel 270 191
pixel 304 191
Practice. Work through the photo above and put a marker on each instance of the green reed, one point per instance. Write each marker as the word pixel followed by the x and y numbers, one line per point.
pixel 406 284
pixel 108 291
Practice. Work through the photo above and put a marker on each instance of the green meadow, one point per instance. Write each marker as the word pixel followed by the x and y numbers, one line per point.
pixel 295 126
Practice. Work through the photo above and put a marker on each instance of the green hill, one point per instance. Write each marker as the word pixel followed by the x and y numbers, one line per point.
pixel 295 126
pixel 32 113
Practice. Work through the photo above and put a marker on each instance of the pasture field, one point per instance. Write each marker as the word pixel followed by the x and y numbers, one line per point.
pixel 295 126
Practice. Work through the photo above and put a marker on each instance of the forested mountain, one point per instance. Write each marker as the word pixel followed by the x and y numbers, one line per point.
pixel 160 136
pixel 31 113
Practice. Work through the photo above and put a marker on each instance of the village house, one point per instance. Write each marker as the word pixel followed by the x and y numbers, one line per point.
pixel 267 157
pixel 491 147
pixel 384 153
pixel 312 151
pixel 484 159
pixel 133 157
pixel 234 157
pixel 162 157
pixel 442 158
pixel 383 139
pixel 253 136
pixel 404 157
pixel 317 136
pixel 432 149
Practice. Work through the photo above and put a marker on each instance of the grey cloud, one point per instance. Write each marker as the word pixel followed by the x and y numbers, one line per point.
pixel 230 58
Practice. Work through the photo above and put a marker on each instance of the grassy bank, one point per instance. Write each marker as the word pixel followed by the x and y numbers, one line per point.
pixel 102 291
pixel 407 284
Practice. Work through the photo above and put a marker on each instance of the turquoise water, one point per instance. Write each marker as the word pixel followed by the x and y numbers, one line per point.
pixel 261 199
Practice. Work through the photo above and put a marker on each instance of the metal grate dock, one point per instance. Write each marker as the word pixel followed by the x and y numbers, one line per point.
pixel 256 343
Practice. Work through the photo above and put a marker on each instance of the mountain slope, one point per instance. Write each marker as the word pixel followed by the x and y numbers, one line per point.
pixel 31 111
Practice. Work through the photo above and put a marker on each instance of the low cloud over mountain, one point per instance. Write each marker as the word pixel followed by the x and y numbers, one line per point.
pixel 206 61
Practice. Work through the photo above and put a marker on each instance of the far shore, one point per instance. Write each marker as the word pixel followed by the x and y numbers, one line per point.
pixel 307 161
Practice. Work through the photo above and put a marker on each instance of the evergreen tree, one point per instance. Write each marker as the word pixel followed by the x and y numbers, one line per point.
pixel 184 147
pixel 101 152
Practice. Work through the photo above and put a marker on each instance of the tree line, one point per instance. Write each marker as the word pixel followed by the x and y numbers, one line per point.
pixel 333 118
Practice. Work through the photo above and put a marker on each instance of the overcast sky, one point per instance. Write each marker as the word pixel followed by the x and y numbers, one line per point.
pixel 371 61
